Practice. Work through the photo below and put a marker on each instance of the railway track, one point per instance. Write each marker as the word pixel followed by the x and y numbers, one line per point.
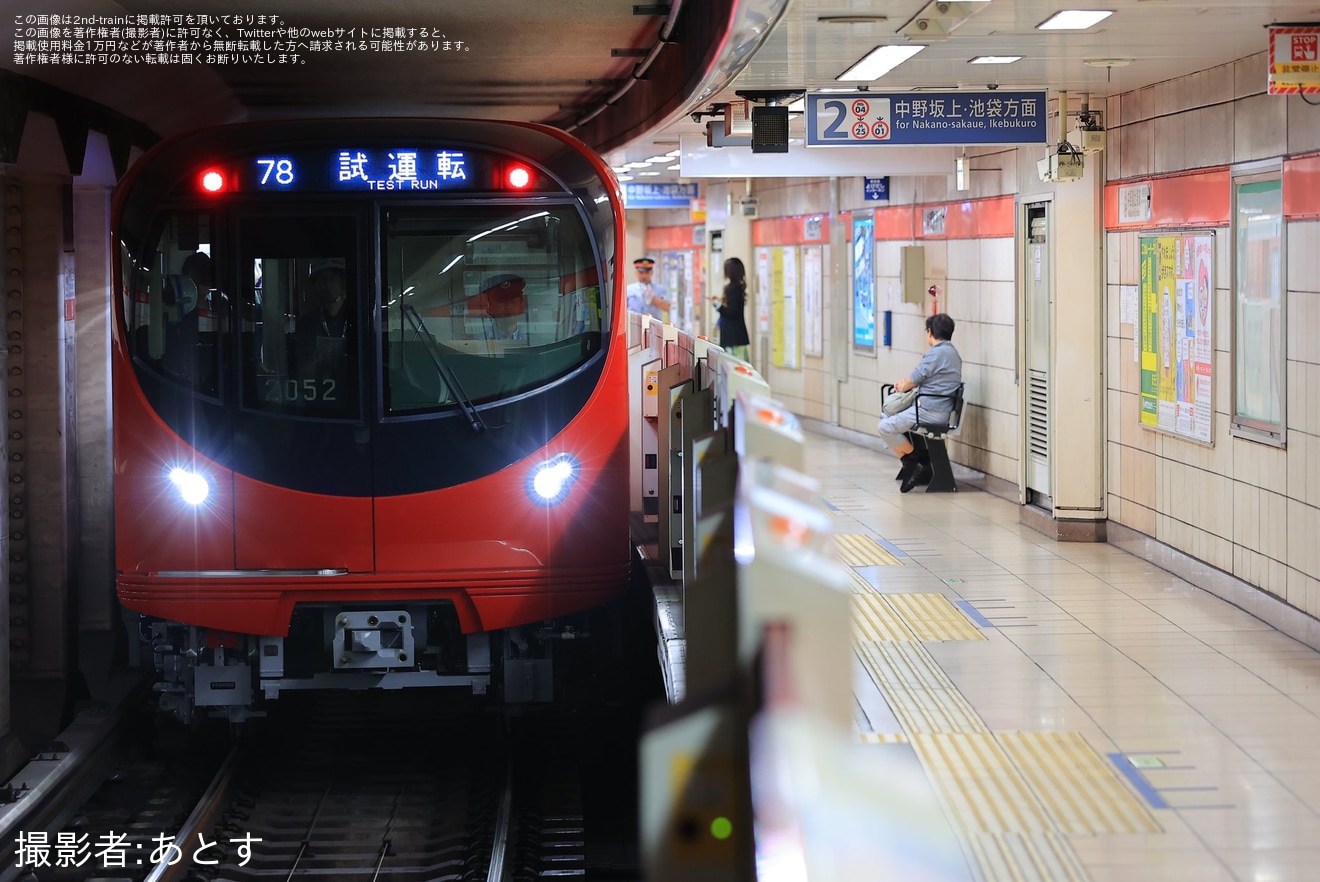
pixel 367 787
pixel 353 786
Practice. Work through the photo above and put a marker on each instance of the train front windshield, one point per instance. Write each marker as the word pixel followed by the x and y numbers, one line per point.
pixel 483 303
pixel 477 303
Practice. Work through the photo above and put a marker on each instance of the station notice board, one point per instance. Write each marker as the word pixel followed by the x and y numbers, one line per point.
pixel 1176 330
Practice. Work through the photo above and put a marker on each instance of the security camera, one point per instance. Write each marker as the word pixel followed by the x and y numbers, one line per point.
pixel 992 86
pixel 696 118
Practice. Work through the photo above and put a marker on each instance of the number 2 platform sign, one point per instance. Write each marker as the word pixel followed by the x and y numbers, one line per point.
pixel 956 118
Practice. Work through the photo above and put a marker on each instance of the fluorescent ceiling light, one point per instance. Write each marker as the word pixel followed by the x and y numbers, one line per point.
pixel 995 59
pixel 654 159
pixel 625 177
pixel 672 168
pixel 675 153
pixel 1074 19
pixel 879 62
pixel 649 174
pixel 798 106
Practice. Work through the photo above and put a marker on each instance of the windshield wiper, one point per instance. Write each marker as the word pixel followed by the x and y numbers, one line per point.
pixel 443 369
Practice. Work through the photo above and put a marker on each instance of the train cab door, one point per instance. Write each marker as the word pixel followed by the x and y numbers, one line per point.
pixel 302 433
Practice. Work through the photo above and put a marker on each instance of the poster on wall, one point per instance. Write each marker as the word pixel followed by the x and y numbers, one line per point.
pixel 1260 372
pixel 763 290
pixel 813 304
pixel 863 244
pixel 1177 320
pixel 784 345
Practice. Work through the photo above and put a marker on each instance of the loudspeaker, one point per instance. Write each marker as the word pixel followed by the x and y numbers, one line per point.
pixel 769 129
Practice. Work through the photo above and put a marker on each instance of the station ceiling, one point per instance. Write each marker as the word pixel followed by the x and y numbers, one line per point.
pixel 620 73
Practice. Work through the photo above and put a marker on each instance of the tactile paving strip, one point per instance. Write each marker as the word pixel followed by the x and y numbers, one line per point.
pixel 857 550
pixel 858 584
pixel 933 617
pixel 876 620
pixel 1074 783
pixel 921 696
pixel 984 790
pixel 1017 857
pixel 882 738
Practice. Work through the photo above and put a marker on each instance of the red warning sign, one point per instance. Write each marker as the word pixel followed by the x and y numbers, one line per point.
pixel 1294 60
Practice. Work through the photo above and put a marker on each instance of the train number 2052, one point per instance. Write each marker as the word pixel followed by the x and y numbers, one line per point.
pixel 280 391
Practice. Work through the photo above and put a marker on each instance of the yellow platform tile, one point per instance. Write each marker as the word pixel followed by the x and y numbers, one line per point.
pixel 857 550
pixel 858 584
pixel 875 620
pixel 1076 785
pixel 920 695
pixel 934 617
pixel 882 738
pixel 983 788
pixel 1021 857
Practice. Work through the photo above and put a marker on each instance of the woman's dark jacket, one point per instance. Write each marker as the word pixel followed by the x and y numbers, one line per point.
pixel 733 327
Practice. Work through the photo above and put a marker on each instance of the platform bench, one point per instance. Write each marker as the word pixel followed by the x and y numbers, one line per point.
pixel 932 435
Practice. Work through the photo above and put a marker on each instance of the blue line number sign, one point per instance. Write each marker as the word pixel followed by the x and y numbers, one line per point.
pixel 867 118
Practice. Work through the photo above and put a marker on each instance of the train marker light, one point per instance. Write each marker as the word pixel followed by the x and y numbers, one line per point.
pixel 519 177
pixel 213 181
pixel 191 486
pixel 549 482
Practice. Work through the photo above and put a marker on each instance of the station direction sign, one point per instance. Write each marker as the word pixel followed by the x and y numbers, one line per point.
pixel 855 119
pixel 670 195
pixel 875 189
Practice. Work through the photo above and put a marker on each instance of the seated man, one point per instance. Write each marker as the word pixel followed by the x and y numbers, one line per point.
pixel 938 373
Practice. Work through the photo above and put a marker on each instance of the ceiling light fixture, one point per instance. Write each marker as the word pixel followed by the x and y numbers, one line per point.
pixel 1074 19
pixel 995 59
pixel 1107 62
pixel 878 62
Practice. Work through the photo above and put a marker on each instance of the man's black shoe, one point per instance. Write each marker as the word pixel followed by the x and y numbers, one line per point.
pixel 923 474
pixel 910 463
pixel 920 475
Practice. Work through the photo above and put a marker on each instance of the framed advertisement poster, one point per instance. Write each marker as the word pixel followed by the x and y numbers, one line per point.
pixel 1260 368
pixel 863 245
pixel 813 301
pixel 785 348
pixel 1176 328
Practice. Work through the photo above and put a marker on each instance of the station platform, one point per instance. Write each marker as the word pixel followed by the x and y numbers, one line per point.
pixel 1078 712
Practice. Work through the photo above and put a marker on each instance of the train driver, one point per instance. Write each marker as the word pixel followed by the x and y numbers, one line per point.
pixel 324 334
pixel 506 304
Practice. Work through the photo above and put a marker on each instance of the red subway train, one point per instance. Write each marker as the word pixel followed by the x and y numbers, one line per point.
pixel 370 407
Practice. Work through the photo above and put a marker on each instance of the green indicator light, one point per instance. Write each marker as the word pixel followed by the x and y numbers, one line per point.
pixel 721 828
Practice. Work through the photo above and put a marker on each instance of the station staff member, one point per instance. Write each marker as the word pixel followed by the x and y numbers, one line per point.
pixel 646 296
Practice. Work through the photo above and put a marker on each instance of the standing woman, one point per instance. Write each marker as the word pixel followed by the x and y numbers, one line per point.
pixel 733 327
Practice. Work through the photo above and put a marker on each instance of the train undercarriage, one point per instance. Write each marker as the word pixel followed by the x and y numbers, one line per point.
pixel 226 676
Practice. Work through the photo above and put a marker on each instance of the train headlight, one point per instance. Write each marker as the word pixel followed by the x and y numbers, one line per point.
pixel 549 482
pixel 192 487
